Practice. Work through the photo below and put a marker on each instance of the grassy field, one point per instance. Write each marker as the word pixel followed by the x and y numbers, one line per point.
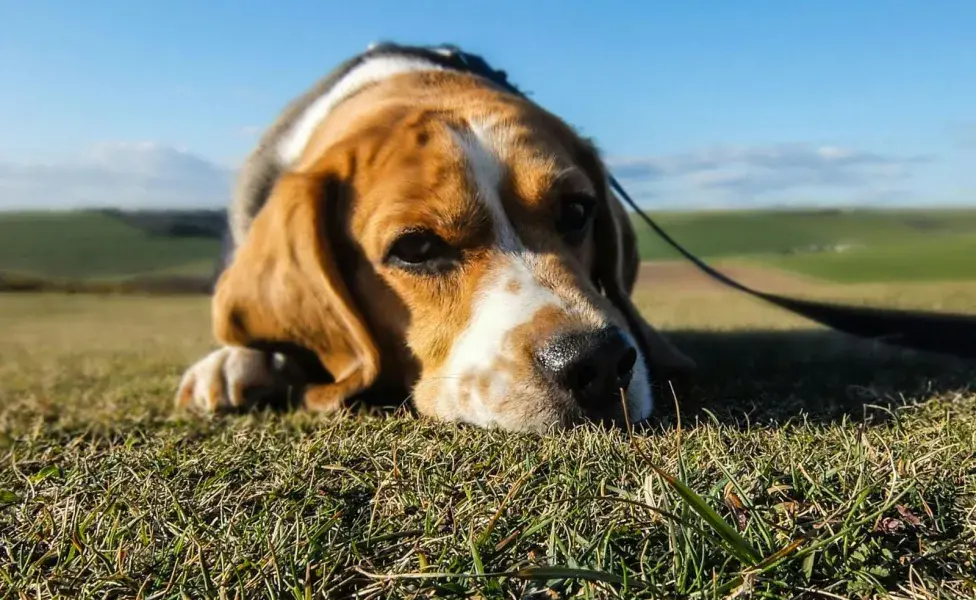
pixel 832 245
pixel 853 461
pixel 769 232
pixel 844 247
pixel 951 257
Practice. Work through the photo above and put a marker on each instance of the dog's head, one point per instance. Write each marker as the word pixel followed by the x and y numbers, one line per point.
pixel 456 240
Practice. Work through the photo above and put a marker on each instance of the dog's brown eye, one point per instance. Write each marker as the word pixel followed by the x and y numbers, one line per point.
pixel 575 215
pixel 421 250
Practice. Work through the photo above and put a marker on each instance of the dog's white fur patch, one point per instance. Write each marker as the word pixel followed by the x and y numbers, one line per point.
pixel 484 149
pixel 292 144
pixel 497 311
pixel 640 398
pixel 510 297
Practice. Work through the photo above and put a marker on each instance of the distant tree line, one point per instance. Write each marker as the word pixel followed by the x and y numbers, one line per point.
pixel 207 224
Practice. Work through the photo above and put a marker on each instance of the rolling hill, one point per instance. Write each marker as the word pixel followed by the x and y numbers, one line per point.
pixel 98 245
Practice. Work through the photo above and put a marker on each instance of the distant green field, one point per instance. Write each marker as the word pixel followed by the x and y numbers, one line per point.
pixel 842 246
pixel 948 258
pixel 738 233
pixel 846 247
pixel 87 245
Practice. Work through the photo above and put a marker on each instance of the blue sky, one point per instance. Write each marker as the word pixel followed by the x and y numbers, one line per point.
pixel 695 104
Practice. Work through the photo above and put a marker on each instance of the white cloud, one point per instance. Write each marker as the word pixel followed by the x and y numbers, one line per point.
pixel 774 157
pixel 119 174
pixel 150 175
pixel 770 174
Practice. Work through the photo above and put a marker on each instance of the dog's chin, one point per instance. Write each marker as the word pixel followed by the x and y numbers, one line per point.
pixel 559 413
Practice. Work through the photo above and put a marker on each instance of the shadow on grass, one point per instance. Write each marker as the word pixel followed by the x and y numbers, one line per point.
pixel 772 377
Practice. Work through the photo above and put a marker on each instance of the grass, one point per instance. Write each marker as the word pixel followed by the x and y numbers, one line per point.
pixel 857 460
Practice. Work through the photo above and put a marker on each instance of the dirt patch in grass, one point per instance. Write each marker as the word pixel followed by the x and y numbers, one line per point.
pixel 686 276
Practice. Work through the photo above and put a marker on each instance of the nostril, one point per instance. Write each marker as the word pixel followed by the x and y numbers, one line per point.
pixel 583 376
pixel 626 364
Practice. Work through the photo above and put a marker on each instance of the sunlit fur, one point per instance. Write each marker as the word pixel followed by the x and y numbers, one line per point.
pixel 484 170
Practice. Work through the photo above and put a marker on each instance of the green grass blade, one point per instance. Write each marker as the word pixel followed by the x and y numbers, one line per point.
pixel 546 573
pixel 8 497
pixel 742 549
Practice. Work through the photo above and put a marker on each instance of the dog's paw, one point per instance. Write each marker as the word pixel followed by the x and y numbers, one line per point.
pixel 228 379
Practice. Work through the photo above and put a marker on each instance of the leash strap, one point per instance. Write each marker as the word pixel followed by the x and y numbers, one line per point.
pixel 945 333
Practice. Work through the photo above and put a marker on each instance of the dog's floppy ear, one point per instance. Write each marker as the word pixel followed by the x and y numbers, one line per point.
pixel 285 288
pixel 616 265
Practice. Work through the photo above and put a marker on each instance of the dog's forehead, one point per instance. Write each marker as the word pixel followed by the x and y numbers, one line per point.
pixel 452 154
pixel 438 122
pixel 466 168
pixel 523 157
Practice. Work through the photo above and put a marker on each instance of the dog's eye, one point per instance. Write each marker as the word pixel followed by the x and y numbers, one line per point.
pixel 421 250
pixel 575 215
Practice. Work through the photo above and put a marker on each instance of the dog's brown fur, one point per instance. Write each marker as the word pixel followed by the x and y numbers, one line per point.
pixel 309 271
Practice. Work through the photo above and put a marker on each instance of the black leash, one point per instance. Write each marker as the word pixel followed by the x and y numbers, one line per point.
pixel 921 330
pixel 945 333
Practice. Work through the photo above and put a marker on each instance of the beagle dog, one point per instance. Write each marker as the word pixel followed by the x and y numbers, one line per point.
pixel 409 225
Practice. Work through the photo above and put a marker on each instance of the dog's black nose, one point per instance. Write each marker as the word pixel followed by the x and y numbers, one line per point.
pixel 593 366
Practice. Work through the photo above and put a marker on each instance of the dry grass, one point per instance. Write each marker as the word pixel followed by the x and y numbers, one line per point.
pixel 863 454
